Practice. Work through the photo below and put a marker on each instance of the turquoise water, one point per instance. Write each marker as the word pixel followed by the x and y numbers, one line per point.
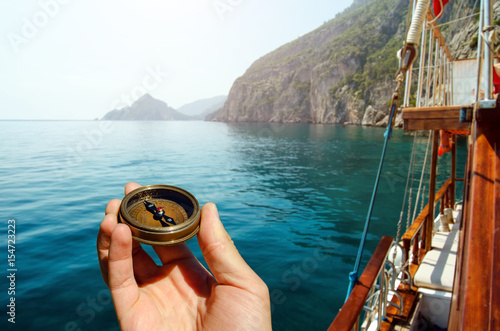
pixel 293 197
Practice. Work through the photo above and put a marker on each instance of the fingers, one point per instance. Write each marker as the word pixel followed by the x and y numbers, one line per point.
pixel 113 207
pixel 222 257
pixel 122 283
pixel 131 186
pixel 171 254
pixel 104 236
pixel 144 265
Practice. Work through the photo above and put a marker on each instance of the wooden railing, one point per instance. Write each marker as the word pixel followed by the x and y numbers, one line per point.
pixel 349 315
pixel 416 232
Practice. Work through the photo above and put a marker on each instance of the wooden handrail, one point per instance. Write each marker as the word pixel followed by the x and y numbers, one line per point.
pixel 419 221
pixel 416 227
pixel 350 311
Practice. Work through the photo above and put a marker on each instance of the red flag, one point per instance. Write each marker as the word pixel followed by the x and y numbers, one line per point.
pixel 496 80
pixel 439 7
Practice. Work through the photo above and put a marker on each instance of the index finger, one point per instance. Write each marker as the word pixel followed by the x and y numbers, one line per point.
pixel 104 236
pixel 131 186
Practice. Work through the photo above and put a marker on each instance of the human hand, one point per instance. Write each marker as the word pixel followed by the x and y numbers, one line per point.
pixel 181 294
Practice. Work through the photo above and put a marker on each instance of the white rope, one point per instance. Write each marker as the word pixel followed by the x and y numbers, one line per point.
pixel 423 198
pixel 492 37
pixel 456 20
pixel 459 16
pixel 417 22
pixel 410 200
pixel 422 176
pixel 410 171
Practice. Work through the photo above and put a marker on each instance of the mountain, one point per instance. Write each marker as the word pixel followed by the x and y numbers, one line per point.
pixel 146 108
pixel 201 108
pixel 327 75
pixel 342 72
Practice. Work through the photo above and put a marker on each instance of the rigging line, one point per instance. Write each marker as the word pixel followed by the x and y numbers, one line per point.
pixel 458 13
pixel 410 197
pixel 407 58
pixel 453 28
pixel 353 276
pixel 408 221
pixel 459 9
pixel 422 174
pixel 488 42
pixel 410 171
pixel 457 20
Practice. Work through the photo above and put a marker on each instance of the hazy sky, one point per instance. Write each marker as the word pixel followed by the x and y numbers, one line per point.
pixel 79 59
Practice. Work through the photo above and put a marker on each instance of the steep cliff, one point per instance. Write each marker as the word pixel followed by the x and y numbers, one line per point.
pixel 342 72
pixel 330 75
pixel 464 42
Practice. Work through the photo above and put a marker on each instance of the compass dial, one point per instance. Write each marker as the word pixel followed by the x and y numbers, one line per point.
pixel 173 213
pixel 160 214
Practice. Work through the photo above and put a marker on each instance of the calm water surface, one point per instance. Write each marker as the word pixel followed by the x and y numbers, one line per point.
pixel 293 197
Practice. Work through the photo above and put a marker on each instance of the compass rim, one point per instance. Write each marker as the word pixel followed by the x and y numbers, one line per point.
pixel 162 235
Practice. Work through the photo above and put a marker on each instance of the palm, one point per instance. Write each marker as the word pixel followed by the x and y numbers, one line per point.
pixel 181 294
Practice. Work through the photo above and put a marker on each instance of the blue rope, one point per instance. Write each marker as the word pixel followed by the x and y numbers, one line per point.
pixel 353 276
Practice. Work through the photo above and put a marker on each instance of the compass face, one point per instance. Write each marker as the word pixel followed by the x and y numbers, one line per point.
pixel 173 213
pixel 160 214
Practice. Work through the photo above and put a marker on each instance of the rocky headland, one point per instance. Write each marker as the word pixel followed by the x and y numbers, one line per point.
pixel 341 73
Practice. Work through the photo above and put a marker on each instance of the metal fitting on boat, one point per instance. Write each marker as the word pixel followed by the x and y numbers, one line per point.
pixel 444 227
pixel 449 214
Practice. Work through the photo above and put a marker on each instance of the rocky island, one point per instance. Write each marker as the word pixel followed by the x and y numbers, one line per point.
pixel 147 108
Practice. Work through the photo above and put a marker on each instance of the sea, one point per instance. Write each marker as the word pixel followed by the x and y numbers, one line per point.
pixel 293 197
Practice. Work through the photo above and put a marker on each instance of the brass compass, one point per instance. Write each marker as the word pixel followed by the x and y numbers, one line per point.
pixel 160 214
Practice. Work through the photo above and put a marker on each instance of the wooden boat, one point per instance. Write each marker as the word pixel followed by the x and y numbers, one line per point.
pixel 449 275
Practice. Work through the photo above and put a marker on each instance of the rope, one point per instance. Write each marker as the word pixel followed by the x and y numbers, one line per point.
pixel 492 38
pixel 408 54
pixel 410 200
pixel 353 276
pixel 423 197
pixel 417 22
pixel 456 20
pixel 422 176
pixel 410 171
pixel 454 28
pixel 408 219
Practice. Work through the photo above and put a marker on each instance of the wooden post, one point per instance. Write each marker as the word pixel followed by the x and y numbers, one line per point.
pixel 444 200
pixel 432 191
pixel 415 251
pixel 453 171
pixel 406 254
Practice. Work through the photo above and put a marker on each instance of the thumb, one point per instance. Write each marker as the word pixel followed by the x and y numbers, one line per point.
pixel 222 257
pixel 122 283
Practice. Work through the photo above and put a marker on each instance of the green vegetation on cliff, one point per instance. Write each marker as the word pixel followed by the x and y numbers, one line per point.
pixel 329 75
pixel 342 72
